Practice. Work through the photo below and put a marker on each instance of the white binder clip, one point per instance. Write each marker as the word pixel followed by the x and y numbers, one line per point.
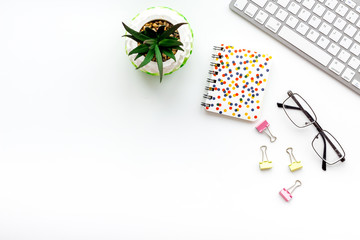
pixel 285 192
pixel 265 163
pixel 264 127
pixel 294 165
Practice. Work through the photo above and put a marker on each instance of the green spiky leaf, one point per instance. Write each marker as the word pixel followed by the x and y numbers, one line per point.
pixel 143 48
pixel 147 59
pixel 133 38
pixel 159 61
pixel 168 53
pixel 170 31
pixel 141 37
pixel 169 43
pixel 149 32
pixel 160 30
pixel 139 55
pixel 150 41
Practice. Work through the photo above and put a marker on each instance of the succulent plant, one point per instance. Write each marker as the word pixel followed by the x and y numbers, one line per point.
pixel 154 43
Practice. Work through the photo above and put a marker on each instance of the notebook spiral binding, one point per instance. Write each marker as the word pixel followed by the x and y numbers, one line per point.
pixel 212 72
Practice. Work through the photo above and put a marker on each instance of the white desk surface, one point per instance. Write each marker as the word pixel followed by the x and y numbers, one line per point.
pixel 93 149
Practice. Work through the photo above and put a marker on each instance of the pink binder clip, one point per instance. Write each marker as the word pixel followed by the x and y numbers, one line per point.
pixel 285 192
pixel 264 127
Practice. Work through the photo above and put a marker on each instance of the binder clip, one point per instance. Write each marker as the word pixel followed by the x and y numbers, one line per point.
pixel 264 127
pixel 286 193
pixel 264 164
pixel 294 165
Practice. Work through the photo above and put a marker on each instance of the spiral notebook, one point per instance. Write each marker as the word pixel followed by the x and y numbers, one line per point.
pixel 237 82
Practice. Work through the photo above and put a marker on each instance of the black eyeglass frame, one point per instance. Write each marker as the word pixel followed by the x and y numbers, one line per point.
pixel 313 121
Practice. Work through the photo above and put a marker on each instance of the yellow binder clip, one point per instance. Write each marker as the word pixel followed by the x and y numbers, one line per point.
pixel 265 163
pixel 295 165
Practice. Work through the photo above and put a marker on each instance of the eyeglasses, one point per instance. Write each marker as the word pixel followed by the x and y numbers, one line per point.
pixel 301 115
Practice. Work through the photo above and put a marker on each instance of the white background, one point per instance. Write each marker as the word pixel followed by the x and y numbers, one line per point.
pixel 90 148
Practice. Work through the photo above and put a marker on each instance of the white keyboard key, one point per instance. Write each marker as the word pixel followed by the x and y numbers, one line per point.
pixel 341 10
pixel 304 15
pixel 346 42
pixel 319 10
pixel 350 3
pixel 251 9
pixel 273 24
pixel 357 37
pixel 350 30
pixel 294 8
pixel 356 83
pixel 302 28
pixel 336 66
pixel 352 17
pixel 325 28
pixel 358 8
pixel 240 4
pixel 308 3
pixel 323 42
pixel 333 49
pixel 329 16
pixel 344 56
pixel 335 35
pixel 355 49
pixel 310 49
pixel 313 35
pixel 358 24
pixel 348 74
pixel 354 63
pixel 271 7
pixel 314 21
pixel 281 14
pixel 261 17
pixel 331 3
pixel 261 3
pixel 283 3
pixel 292 21
pixel 339 23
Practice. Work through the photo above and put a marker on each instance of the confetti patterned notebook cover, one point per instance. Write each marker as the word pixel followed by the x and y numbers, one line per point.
pixel 237 82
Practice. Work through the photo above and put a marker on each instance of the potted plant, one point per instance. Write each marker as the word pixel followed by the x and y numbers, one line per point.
pixel 158 41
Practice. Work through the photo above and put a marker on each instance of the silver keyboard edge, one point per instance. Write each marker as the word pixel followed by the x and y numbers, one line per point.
pixel 293 48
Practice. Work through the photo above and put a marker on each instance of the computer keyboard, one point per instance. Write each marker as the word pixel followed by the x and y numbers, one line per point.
pixel 325 32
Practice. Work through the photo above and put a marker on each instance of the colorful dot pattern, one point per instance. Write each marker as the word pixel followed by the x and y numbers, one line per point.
pixel 241 76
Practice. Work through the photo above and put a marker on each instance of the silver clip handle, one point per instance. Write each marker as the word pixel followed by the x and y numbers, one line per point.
pixel 290 151
pixel 263 153
pixel 293 187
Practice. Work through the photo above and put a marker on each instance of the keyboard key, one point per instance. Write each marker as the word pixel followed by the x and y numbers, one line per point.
pixel 352 17
pixel 261 17
pixel 350 3
pixel 304 15
pixel 355 49
pixel 346 42
pixel 350 30
pixel 314 21
pixel 354 63
pixel 240 4
pixel 271 7
pixel 319 10
pixel 358 8
pixel 302 28
pixel 325 28
pixel 310 49
pixel 357 37
pixel 358 24
pixel 333 49
pixel 336 66
pixel 251 9
pixel 281 14
pixel 292 21
pixel 294 8
pixel 313 35
pixel 339 23
pixel 283 3
pixel 273 24
pixel 329 16
pixel 331 3
pixel 344 56
pixel 356 83
pixel 348 74
pixel 323 42
pixel 308 3
pixel 335 35
pixel 341 10
pixel 261 3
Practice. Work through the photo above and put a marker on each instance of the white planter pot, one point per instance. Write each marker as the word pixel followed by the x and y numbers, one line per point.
pixel 185 32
